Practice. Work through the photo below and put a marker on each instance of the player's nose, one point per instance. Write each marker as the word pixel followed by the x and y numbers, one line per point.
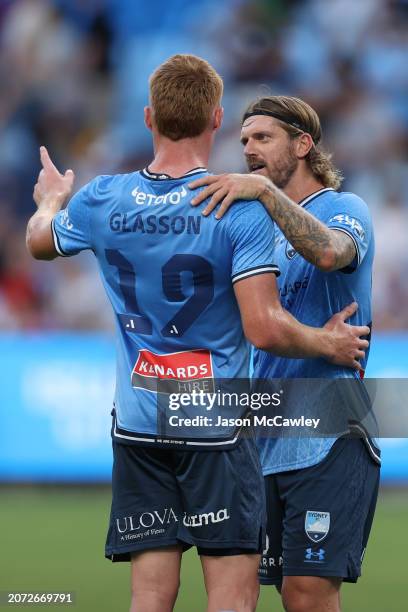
pixel 249 149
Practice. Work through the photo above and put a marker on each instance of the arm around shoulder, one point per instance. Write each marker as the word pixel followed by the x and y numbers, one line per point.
pixel 269 327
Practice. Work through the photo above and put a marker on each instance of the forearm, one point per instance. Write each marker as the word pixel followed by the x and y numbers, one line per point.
pixel 309 237
pixel 285 336
pixel 39 237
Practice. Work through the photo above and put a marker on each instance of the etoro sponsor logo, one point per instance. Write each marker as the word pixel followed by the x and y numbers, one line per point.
pixel 181 367
pixel 151 199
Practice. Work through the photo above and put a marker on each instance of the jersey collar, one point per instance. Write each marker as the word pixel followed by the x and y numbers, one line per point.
pixel 314 195
pixel 154 176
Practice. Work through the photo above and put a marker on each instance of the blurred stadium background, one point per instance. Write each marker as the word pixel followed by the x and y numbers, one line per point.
pixel 73 76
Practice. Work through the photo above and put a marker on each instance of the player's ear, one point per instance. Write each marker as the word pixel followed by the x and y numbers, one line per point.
pixel 303 145
pixel 218 117
pixel 148 117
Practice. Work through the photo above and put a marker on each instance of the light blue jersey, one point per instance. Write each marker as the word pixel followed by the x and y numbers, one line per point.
pixel 169 275
pixel 313 296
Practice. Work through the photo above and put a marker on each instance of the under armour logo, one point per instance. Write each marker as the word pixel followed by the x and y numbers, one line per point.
pixel 318 554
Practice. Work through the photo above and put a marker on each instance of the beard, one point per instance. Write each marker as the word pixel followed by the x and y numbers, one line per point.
pixel 280 171
pixel 284 168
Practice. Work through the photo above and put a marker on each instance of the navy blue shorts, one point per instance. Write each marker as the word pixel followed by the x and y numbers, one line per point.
pixel 213 500
pixel 319 518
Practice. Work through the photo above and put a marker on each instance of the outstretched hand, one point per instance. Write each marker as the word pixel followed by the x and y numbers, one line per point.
pixel 52 187
pixel 227 188
pixel 348 344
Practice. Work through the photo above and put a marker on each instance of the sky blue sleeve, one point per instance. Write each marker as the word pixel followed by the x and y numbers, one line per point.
pixel 252 233
pixel 351 215
pixel 71 226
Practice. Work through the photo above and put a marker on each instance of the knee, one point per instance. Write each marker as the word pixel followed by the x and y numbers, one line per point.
pixel 247 592
pixel 161 594
pixel 297 600
pixel 300 597
pixel 238 597
pixel 247 596
pixel 250 597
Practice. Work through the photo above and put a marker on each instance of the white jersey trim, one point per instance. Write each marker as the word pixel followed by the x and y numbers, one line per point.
pixel 314 195
pixel 370 446
pixel 254 271
pixel 56 241
pixel 205 442
pixel 162 176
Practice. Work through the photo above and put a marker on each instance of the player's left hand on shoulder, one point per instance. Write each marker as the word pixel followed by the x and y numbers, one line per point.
pixel 226 189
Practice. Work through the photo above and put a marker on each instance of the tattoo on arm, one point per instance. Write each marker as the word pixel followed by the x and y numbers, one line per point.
pixel 344 249
pixel 325 248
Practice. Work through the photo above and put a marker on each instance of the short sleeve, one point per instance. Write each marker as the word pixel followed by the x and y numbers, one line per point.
pixel 353 218
pixel 71 226
pixel 252 233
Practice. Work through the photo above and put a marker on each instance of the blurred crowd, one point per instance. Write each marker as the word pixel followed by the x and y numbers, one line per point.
pixel 74 77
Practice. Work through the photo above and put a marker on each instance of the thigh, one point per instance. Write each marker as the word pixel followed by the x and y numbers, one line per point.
pixel 312 593
pixel 156 569
pixel 229 569
pixel 328 512
pixel 146 503
pixel 223 499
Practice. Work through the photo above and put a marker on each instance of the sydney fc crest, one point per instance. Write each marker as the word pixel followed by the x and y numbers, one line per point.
pixel 317 525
